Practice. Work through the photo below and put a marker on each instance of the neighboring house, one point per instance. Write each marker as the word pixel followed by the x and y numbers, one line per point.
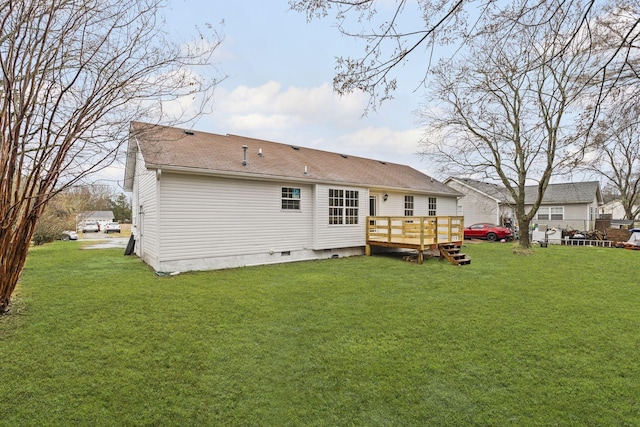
pixel 205 201
pixel 614 210
pixel 564 206
pixel 101 217
pixel 481 201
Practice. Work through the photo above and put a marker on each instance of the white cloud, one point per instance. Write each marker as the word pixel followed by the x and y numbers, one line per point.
pixel 303 105
pixel 383 139
pixel 313 117
pixel 255 123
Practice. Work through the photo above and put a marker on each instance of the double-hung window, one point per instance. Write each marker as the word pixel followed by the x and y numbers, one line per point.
pixel 433 206
pixel 343 206
pixel 550 213
pixel 408 205
pixel 290 198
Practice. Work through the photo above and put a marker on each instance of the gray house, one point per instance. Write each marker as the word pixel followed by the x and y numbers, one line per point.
pixel 206 201
pixel 101 217
pixel 564 206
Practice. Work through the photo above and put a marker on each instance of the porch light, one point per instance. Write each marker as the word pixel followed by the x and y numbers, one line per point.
pixel 385 197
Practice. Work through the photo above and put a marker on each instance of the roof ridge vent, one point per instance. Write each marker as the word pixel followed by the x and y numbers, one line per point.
pixel 344 156
pixel 295 147
pixel 189 132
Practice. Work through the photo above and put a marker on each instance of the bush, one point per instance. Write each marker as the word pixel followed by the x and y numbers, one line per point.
pixel 44 235
pixel 49 228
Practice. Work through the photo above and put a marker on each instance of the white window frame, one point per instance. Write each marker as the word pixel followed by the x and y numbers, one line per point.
pixel 433 206
pixel 344 206
pixel 550 213
pixel 408 205
pixel 290 198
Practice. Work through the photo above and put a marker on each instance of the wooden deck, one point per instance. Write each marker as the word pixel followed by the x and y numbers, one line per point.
pixel 414 232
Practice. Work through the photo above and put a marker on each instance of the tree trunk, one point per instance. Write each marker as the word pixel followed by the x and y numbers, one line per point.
pixel 75 74
pixel 14 247
pixel 523 233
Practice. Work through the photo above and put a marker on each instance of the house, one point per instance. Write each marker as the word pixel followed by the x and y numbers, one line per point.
pixel 564 206
pixel 614 210
pixel 100 217
pixel 205 201
pixel 481 201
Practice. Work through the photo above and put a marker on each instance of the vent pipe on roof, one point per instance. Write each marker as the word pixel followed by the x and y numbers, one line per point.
pixel 244 157
pixel 260 152
pixel 305 170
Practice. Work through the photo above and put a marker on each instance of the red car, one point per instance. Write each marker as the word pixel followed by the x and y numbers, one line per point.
pixel 491 232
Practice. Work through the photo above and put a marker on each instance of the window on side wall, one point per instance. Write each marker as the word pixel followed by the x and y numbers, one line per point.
pixel 290 198
pixel 554 213
pixel 343 207
pixel 433 206
pixel 408 205
pixel 557 213
pixel 543 214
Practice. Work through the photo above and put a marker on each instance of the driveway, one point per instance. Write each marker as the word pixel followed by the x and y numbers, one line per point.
pixel 104 241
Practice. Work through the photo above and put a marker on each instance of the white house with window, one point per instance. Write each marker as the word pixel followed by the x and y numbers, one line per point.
pixel 570 206
pixel 565 206
pixel 205 201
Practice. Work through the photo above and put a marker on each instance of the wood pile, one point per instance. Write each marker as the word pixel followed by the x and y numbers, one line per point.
pixel 595 235
pixel 618 234
pixel 621 237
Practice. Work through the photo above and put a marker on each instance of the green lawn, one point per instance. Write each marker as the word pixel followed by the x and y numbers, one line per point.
pixel 96 338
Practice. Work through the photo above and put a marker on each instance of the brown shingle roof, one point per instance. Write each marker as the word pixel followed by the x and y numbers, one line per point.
pixel 174 148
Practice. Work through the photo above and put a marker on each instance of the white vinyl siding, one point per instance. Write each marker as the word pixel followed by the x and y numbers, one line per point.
pixel 145 221
pixel 447 206
pixel 327 236
pixel 575 216
pixel 476 207
pixel 205 217
pixel 395 205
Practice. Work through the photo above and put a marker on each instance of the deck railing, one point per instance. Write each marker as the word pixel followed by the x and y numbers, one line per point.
pixel 418 232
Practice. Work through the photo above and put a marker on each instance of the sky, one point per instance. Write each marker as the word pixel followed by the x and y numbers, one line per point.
pixel 279 70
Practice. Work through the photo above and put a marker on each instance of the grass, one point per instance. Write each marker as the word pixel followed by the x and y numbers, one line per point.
pixel 548 339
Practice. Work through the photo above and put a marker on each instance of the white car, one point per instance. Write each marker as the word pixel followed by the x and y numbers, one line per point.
pixel 112 227
pixel 69 235
pixel 90 227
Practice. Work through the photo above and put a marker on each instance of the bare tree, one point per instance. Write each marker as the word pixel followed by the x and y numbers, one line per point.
pixel 388 43
pixel 74 74
pixel 507 108
pixel 410 31
pixel 533 129
pixel 613 153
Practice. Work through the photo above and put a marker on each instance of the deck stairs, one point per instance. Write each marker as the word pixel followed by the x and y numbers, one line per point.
pixel 451 252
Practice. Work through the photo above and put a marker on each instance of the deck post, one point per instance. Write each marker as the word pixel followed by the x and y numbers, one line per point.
pixel 388 229
pixel 367 249
pixel 421 235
